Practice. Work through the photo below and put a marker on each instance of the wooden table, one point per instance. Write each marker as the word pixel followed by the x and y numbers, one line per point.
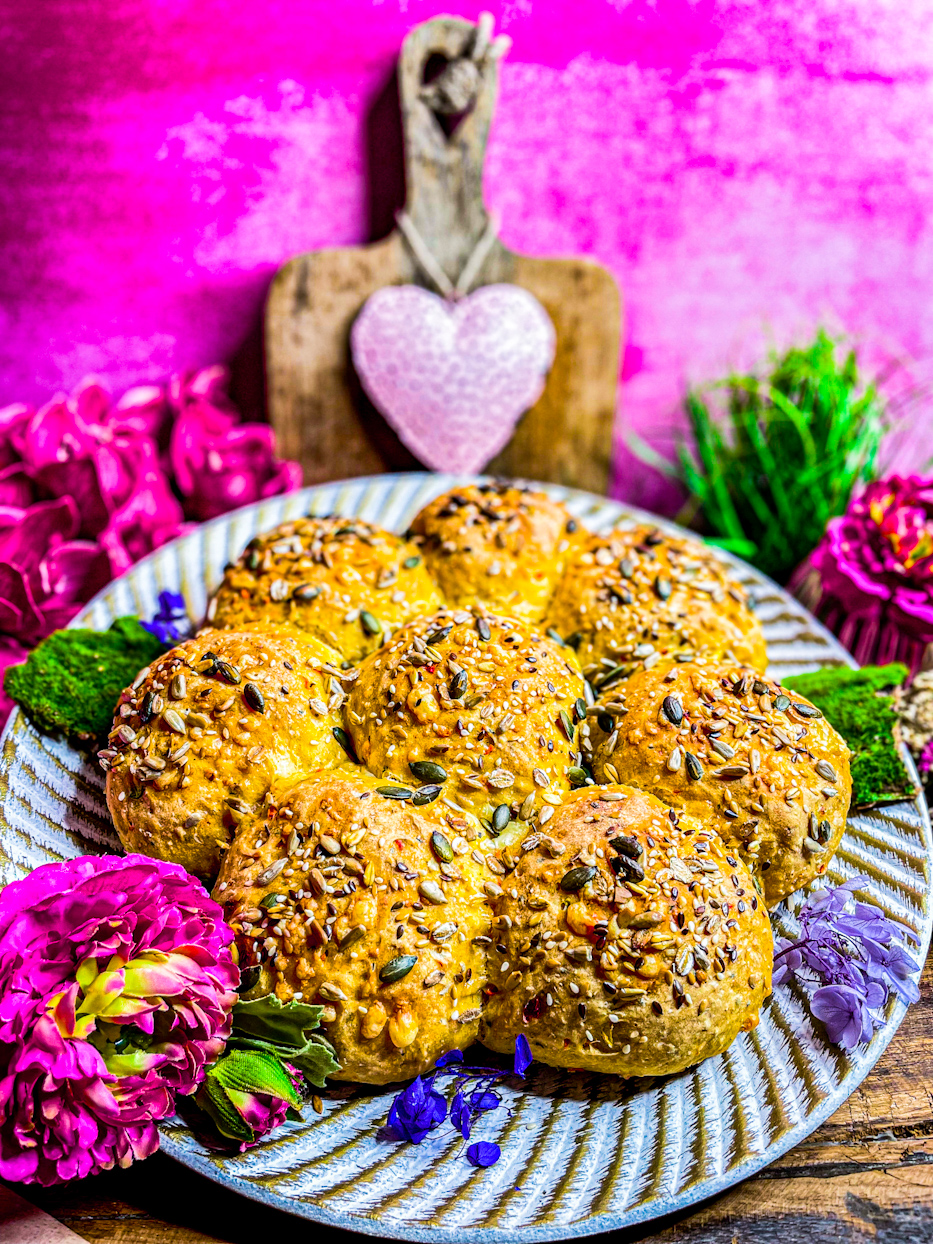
pixel 865 1175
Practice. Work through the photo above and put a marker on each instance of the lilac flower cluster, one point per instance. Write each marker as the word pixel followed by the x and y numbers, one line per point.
pixel 420 1108
pixel 856 955
pixel 171 622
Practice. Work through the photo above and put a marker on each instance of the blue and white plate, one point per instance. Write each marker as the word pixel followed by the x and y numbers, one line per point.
pixel 581 1153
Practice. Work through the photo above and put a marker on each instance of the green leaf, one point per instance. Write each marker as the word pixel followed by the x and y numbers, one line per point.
pixel 71 682
pixel 226 1118
pixel 280 1024
pixel 316 1062
pixel 252 1071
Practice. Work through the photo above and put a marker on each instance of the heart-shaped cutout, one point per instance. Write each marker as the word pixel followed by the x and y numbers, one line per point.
pixel 453 378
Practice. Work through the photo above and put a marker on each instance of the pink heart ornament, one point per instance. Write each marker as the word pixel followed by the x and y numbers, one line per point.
pixel 453 378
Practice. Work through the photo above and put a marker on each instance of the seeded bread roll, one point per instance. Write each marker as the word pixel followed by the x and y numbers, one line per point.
pixel 482 706
pixel 203 733
pixel 340 580
pixel 366 905
pixel 766 770
pixel 499 545
pixel 627 940
pixel 637 592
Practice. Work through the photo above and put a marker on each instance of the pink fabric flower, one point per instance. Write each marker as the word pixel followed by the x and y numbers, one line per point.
pixel 88 487
pixel 871 576
pixel 116 987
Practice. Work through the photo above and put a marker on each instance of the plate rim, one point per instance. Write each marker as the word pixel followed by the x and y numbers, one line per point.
pixel 209 1166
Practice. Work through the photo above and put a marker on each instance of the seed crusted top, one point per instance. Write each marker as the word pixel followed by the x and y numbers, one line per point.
pixel 628 940
pixel 344 897
pixel 761 766
pixel 202 734
pixel 636 594
pixel 341 580
pixel 498 545
pixel 483 707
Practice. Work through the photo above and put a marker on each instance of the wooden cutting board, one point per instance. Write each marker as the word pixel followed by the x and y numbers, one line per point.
pixel 317 407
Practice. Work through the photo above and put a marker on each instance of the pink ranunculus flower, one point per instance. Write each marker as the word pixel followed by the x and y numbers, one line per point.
pixel 116 987
pixel 871 576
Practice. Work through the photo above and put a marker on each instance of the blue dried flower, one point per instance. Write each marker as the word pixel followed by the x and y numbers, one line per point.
pixel 484 1153
pixel 856 955
pixel 417 1110
pixel 460 1114
pixel 522 1059
pixel 171 622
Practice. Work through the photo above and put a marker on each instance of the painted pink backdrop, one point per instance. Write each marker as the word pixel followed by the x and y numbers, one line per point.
pixel 748 171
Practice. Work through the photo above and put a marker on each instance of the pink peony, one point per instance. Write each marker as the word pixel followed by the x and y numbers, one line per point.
pixel 871 576
pixel 116 987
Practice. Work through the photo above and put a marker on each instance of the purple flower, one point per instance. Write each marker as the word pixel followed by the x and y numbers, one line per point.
pixel 116 987
pixel 417 1110
pixel 171 622
pixel 522 1059
pixel 854 952
pixel 460 1115
pixel 844 1013
pixel 484 1153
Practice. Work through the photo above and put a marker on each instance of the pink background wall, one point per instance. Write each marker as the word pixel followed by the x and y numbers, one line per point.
pixel 748 171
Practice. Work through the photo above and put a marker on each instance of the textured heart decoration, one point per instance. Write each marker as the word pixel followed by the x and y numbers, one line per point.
pixel 453 378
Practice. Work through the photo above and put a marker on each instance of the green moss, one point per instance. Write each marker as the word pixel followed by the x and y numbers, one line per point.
pixel 73 680
pixel 858 704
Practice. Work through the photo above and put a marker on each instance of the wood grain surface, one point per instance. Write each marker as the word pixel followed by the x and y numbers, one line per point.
pixel 865 1175
pixel 320 414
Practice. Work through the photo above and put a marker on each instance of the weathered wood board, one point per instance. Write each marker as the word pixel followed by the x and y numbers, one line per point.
pixel 320 414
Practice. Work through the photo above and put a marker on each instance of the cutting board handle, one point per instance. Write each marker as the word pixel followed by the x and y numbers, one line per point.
pixel 444 175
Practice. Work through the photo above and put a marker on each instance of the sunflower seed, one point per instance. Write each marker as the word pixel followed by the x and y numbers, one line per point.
pixel 730 773
pixel 694 768
pixel 443 932
pixel 675 759
pixel 229 673
pixel 722 749
pixel 428 771
pixel 254 697
pixel 270 873
pixel 673 710
pixel 178 687
pixel 825 770
pixel 333 993
pixel 482 628
pixel 173 721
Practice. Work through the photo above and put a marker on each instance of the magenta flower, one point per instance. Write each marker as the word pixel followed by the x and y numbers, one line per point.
pixel 116 987
pixel 871 576
pixel 88 487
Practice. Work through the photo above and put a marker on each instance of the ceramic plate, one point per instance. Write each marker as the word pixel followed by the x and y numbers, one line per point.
pixel 581 1153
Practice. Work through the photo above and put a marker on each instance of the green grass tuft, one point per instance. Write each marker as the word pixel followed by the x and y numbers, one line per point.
pixel 859 704
pixel 785 458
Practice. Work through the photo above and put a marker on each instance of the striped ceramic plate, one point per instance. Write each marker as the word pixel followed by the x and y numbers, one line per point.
pixel 581 1153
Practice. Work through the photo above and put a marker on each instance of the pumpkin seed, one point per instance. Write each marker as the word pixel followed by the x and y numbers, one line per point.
pixel 411 562
pixel 441 847
pixel 396 968
pixel 625 845
pixel 577 775
pixel 438 636
pixel 806 710
pixel 577 878
pixel 566 725
pixel 760 688
pixel 605 722
pixel 501 818
pixel 626 568
pixel 428 771
pixel 555 635
pixel 352 936
pixel 662 587
pixel 425 795
pixel 482 627
pixel 249 977
pixel 394 792
pixel 370 623
pixel 306 592
pixel 782 703
pixel 254 697
pixel 271 900
pixel 345 742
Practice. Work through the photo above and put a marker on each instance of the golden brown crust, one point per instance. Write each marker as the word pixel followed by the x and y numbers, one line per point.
pixel 488 699
pixel 637 592
pixel 192 752
pixel 335 886
pixel 340 580
pixel 766 770
pixel 496 544
pixel 656 961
